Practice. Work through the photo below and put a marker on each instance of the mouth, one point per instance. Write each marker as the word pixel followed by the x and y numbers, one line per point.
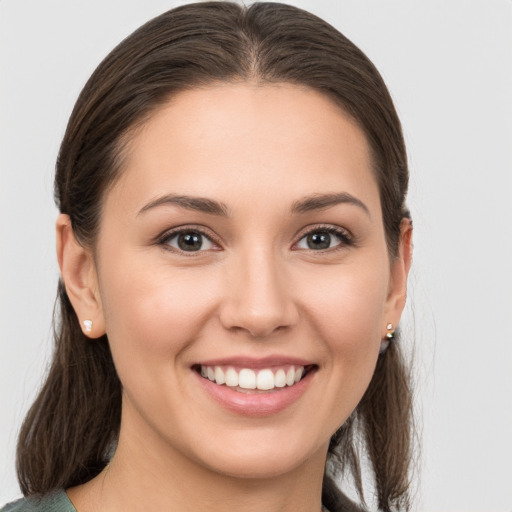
pixel 254 380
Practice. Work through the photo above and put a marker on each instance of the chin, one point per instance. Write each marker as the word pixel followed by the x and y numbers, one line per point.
pixel 257 467
pixel 261 458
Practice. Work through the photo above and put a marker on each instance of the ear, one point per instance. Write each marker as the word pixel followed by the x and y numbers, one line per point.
pixel 78 272
pixel 400 267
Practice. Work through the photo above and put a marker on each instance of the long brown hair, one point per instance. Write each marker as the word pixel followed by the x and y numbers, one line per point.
pixel 70 430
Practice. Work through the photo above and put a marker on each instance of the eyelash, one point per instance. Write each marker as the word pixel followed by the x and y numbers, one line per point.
pixel 164 239
pixel 346 239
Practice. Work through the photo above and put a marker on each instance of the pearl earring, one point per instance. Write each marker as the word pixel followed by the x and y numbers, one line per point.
pixel 88 325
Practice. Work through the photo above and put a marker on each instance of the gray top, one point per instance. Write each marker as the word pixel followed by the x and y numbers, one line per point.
pixel 54 502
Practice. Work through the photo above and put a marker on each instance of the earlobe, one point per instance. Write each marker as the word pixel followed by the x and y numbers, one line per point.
pixel 399 272
pixel 79 275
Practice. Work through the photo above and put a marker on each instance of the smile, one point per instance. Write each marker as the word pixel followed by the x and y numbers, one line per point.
pixel 246 379
pixel 255 387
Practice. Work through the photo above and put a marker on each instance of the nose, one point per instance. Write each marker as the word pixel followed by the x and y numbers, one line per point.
pixel 258 298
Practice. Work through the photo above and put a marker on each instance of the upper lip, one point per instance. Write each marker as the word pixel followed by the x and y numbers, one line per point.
pixel 252 362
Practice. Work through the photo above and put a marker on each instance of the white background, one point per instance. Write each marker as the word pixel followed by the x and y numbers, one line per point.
pixel 448 64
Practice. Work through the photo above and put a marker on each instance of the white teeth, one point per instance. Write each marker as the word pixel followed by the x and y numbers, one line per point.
pixel 231 378
pixel 264 379
pixel 247 379
pixel 280 379
pixel 219 375
pixel 290 376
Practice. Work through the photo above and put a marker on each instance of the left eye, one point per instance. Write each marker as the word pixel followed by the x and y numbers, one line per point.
pixel 321 240
pixel 189 241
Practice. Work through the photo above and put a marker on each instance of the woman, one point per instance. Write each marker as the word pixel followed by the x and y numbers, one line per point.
pixel 234 248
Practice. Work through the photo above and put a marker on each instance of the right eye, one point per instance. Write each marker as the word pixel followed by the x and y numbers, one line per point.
pixel 188 240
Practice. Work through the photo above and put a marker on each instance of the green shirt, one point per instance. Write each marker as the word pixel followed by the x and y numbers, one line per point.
pixel 54 502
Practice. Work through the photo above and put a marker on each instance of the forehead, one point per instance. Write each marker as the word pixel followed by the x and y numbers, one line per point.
pixel 234 141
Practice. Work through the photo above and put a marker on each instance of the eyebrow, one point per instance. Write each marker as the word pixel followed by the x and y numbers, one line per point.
pixel 323 201
pixel 304 205
pixel 200 204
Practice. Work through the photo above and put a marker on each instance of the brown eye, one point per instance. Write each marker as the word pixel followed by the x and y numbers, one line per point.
pixel 320 240
pixel 189 241
pixel 323 239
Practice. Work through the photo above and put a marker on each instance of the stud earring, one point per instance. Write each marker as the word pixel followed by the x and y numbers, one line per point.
pixel 390 336
pixel 88 325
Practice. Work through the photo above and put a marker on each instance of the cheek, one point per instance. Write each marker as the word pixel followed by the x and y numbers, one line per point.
pixel 345 305
pixel 154 314
pixel 348 299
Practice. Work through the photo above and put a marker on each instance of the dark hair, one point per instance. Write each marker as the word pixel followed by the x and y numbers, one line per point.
pixel 74 422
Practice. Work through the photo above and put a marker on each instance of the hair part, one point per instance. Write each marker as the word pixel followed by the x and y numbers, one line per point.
pixel 68 432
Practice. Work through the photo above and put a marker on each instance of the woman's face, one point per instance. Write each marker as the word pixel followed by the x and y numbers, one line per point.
pixel 244 240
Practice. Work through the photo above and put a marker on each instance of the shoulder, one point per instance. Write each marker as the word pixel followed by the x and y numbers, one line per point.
pixel 55 502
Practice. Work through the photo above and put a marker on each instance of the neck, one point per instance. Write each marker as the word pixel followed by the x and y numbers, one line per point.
pixel 148 474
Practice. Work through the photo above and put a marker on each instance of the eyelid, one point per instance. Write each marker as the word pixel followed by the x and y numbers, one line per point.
pixel 346 237
pixel 167 235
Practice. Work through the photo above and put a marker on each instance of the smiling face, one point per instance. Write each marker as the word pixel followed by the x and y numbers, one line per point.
pixel 244 242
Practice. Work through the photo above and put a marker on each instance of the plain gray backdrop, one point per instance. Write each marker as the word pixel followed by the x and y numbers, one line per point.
pixel 448 65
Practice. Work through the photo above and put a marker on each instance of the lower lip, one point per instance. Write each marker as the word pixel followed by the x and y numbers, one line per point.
pixel 258 403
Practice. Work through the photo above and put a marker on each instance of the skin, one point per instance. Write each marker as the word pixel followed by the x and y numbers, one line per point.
pixel 256 290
